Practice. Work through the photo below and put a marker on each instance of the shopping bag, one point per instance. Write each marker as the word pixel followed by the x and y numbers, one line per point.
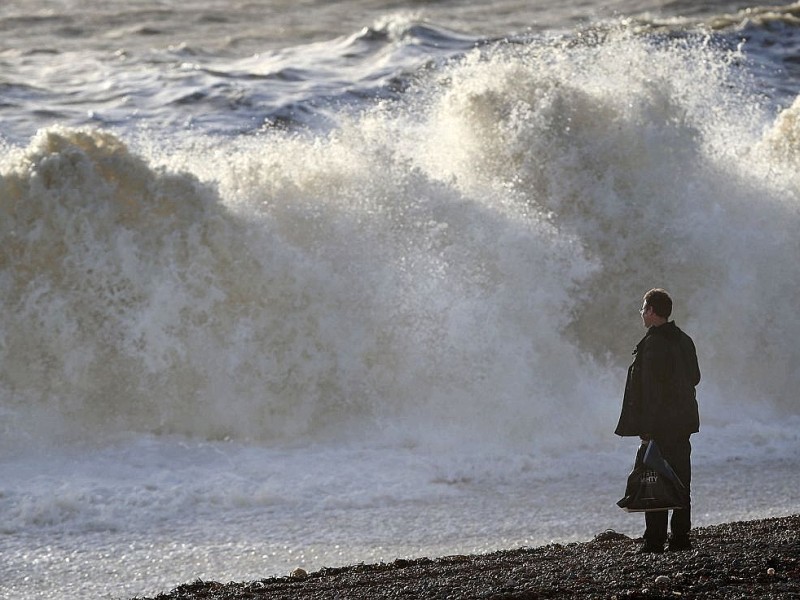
pixel 653 484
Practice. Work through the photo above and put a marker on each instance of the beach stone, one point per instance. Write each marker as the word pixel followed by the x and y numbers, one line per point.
pixel 298 573
pixel 662 580
pixel 609 535
pixel 401 563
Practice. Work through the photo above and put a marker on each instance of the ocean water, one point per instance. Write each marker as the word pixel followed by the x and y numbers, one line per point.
pixel 317 283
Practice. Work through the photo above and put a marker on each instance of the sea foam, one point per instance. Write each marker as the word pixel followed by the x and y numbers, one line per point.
pixel 470 259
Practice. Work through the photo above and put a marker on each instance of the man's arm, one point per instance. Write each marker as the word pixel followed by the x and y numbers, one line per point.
pixel 689 353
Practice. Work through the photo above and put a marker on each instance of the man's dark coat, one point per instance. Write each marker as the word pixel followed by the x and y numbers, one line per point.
pixel 659 396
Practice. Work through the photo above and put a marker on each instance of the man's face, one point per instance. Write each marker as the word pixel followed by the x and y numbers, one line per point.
pixel 647 315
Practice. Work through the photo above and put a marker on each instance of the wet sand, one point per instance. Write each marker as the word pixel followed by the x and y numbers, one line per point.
pixel 752 559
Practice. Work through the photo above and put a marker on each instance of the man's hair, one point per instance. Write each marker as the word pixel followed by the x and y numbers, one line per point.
pixel 660 301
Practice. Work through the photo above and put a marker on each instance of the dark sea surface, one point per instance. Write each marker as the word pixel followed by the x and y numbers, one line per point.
pixel 236 67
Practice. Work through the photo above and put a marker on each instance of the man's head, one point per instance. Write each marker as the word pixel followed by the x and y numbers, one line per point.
pixel 656 308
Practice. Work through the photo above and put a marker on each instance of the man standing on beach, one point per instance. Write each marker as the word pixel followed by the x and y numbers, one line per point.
pixel 660 404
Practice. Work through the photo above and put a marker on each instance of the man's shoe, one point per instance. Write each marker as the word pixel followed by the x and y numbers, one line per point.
pixel 648 548
pixel 680 544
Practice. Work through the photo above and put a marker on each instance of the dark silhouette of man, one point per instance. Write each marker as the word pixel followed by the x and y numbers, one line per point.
pixel 660 404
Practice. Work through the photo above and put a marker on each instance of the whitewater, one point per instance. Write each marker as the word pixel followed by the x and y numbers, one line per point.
pixel 307 292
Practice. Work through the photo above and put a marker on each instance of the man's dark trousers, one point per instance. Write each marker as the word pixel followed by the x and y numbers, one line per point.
pixel 677 451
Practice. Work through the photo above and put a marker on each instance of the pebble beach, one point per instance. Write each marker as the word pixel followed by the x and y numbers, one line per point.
pixel 750 559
